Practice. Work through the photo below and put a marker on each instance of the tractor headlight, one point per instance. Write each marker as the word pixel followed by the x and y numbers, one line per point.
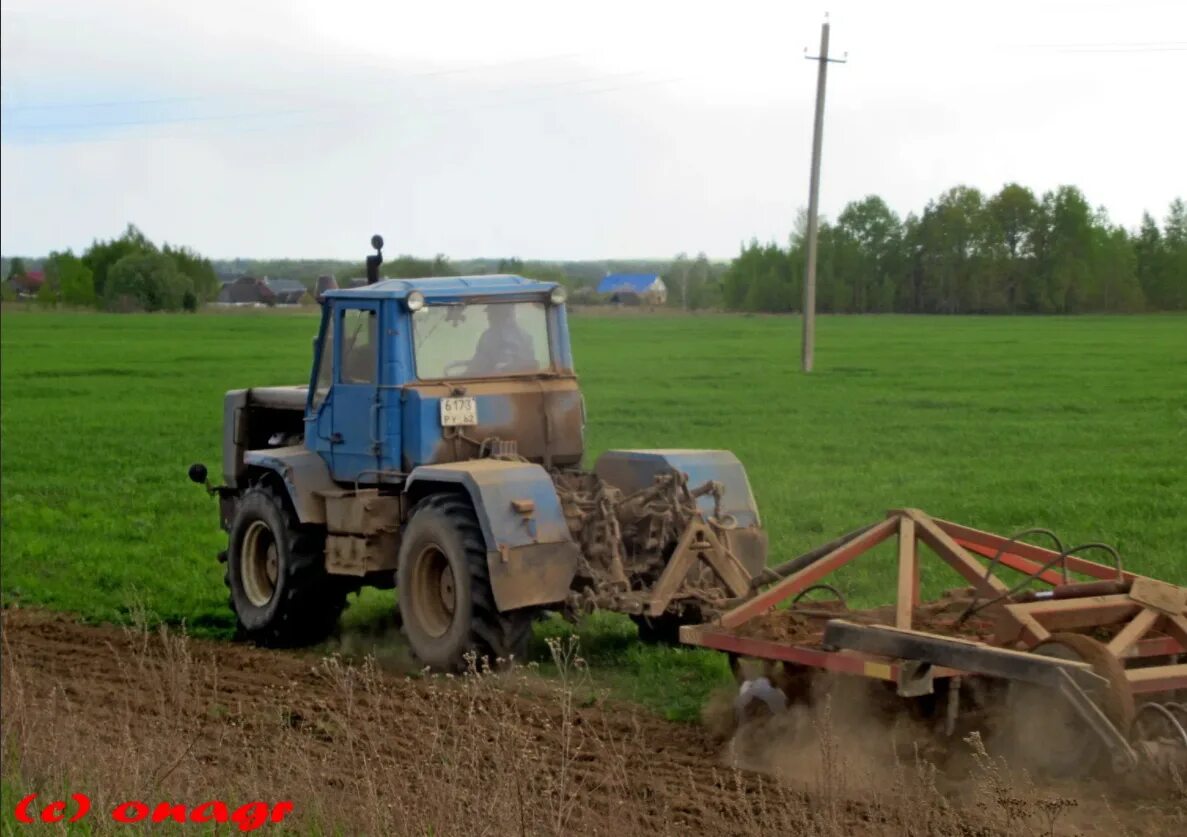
pixel 558 295
pixel 415 301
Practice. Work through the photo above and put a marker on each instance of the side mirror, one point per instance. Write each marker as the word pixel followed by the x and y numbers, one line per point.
pixel 198 473
pixel 373 262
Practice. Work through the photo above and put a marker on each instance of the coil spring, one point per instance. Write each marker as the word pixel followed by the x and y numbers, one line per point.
pixel 1159 735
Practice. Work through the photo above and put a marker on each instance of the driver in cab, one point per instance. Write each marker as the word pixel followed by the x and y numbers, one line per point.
pixel 504 347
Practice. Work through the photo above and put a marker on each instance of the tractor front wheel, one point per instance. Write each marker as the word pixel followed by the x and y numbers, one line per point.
pixel 445 597
pixel 280 590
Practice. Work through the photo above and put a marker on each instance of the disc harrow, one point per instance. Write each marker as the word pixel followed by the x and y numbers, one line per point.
pixel 1062 663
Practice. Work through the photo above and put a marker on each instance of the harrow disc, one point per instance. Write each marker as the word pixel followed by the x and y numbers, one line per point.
pixel 1041 730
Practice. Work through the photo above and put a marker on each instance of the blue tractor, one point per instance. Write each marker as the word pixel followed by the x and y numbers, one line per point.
pixel 437 449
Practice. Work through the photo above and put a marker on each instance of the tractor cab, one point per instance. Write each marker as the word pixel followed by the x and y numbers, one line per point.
pixel 411 372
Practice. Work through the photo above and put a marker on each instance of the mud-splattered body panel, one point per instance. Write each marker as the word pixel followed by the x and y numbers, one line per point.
pixel 544 418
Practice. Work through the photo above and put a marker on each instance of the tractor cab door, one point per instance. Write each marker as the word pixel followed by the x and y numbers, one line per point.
pixel 356 437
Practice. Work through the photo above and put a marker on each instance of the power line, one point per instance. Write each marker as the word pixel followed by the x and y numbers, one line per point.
pixel 472 68
pixel 369 110
pixel 1136 50
pixel 94 105
pixel 260 114
pixel 1105 44
pixel 1106 47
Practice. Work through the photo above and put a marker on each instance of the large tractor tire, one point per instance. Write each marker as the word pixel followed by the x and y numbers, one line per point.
pixel 445 597
pixel 280 590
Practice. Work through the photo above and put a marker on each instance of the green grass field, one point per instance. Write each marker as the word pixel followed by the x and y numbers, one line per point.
pixel 1078 424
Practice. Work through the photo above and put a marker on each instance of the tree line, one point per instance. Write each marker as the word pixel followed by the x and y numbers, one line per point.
pixel 127 273
pixel 969 253
pixel 965 253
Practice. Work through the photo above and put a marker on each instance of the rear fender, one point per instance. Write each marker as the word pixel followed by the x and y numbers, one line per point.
pixel 530 555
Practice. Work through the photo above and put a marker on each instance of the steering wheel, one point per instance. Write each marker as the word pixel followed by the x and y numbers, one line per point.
pixel 458 366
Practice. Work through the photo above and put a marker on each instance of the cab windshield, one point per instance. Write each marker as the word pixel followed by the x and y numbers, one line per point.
pixel 481 340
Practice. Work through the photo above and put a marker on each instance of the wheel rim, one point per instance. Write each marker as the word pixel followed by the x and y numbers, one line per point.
pixel 259 564
pixel 434 591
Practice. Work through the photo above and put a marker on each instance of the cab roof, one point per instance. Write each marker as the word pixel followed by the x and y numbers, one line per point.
pixel 450 287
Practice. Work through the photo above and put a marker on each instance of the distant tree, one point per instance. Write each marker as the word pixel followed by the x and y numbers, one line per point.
pixel 442 267
pixel 1150 262
pixel 1063 252
pixel 1012 215
pixel 544 272
pixel 17 269
pixel 1174 276
pixel 1114 284
pixel 704 286
pixel 761 278
pixel 677 281
pixel 198 269
pixel 148 282
pixel 67 280
pixel 401 267
pixel 867 256
pixel 101 256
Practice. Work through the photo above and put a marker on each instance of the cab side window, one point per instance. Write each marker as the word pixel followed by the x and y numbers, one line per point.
pixel 325 367
pixel 359 346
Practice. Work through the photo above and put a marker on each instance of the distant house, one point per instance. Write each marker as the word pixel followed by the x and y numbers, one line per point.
pixel 27 285
pixel 286 291
pixel 245 290
pixel 252 290
pixel 633 288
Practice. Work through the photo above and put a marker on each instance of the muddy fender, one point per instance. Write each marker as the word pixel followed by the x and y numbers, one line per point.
pixel 305 476
pixel 531 557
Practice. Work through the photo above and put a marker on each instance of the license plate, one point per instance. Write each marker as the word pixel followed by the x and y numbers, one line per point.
pixel 459 412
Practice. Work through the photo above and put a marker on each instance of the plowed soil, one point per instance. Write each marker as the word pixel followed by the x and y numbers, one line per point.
pixel 293 717
pixel 132 713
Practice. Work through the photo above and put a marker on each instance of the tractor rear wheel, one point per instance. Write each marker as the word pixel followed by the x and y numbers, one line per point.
pixel 445 597
pixel 280 591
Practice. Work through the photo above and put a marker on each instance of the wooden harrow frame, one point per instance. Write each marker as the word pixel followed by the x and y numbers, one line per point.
pixel 1139 622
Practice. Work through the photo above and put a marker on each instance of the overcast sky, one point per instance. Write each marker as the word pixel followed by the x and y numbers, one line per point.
pixel 562 130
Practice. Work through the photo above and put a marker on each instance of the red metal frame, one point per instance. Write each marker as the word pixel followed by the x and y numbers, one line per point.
pixel 844 662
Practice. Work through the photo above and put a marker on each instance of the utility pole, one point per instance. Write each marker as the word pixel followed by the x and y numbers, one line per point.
pixel 814 199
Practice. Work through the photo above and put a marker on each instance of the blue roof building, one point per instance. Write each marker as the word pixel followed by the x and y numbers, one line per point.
pixel 634 287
